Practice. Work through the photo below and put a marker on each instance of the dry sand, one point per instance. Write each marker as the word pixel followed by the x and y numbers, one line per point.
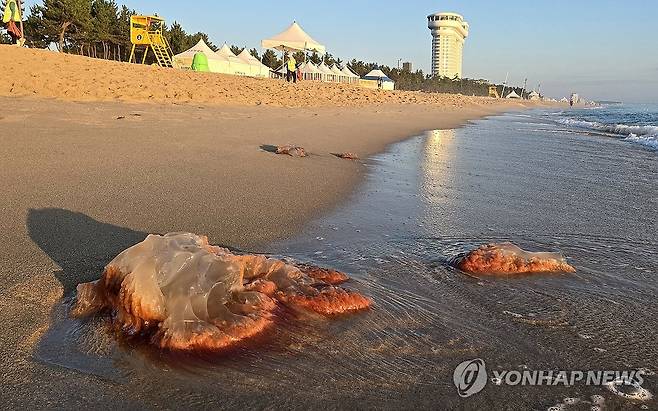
pixel 49 74
pixel 83 180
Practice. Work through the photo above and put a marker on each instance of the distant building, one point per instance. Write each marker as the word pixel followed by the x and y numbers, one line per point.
pixel 449 31
pixel 406 66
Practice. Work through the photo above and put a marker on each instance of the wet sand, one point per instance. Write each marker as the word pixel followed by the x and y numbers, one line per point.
pixel 82 181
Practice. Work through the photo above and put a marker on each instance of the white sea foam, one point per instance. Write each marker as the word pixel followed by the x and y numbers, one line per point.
pixel 645 135
pixel 649 141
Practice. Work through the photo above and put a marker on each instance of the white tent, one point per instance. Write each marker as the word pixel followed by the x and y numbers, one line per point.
pixel 294 38
pixel 184 59
pixel 376 74
pixel 534 95
pixel 327 74
pixel 513 95
pixel 257 69
pixel 310 72
pixel 231 64
pixel 352 78
pixel 381 78
pixel 340 76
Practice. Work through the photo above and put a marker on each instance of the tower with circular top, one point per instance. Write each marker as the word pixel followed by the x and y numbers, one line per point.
pixel 449 31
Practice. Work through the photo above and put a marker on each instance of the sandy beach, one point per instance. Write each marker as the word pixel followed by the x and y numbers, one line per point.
pixel 95 154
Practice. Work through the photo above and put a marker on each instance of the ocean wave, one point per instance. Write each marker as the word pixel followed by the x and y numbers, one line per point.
pixel 649 141
pixel 646 135
pixel 621 129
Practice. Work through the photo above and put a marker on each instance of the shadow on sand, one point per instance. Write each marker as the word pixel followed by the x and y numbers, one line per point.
pixel 269 148
pixel 80 245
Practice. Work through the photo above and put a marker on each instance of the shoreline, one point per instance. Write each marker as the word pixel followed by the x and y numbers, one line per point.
pixel 222 142
pixel 85 180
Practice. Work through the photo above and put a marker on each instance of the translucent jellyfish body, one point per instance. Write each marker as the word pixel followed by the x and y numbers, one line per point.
pixel 507 258
pixel 182 293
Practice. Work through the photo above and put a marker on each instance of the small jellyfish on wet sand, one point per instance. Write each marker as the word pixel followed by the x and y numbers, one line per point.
pixel 507 258
pixel 346 156
pixel 293 151
pixel 179 292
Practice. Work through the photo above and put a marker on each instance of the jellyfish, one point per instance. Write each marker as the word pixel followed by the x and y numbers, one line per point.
pixel 347 155
pixel 179 292
pixel 507 258
pixel 293 151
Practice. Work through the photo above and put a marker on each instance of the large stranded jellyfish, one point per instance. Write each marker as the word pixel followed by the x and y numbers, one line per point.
pixel 182 293
pixel 507 258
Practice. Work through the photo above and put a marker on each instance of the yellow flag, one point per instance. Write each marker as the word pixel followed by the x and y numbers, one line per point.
pixel 12 12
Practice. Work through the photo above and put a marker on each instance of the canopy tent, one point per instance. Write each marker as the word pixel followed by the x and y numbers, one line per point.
pixel 184 59
pixel 327 74
pixel 257 69
pixel 294 38
pixel 340 76
pixel 377 75
pixel 534 95
pixel 513 95
pixel 231 64
pixel 310 72
pixel 381 78
pixel 351 76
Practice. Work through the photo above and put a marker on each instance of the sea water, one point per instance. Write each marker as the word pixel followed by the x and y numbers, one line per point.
pixel 637 123
pixel 525 177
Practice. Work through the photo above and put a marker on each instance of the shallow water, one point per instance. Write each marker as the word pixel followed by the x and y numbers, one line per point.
pixel 424 201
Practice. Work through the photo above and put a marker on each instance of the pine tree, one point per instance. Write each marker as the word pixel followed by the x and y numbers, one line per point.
pixel 271 60
pixel 178 38
pixel 104 15
pixel 65 20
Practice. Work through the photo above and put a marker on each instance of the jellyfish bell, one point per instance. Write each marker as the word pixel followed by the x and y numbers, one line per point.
pixel 182 293
pixel 293 151
pixel 507 258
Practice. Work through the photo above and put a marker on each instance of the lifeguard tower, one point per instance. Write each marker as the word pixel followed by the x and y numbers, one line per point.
pixel 146 33
pixel 493 92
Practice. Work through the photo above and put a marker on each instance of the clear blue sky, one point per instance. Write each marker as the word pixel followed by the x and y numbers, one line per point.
pixel 603 49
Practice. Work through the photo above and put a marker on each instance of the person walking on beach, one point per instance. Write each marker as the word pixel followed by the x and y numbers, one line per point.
pixel 292 69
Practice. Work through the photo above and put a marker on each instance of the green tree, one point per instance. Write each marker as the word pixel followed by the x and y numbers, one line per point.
pixel 121 33
pixel 271 60
pixel 62 20
pixel 236 50
pixel 194 38
pixel 37 35
pixel 104 14
pixel 329 59
pixel 315 58
pixel 299 56
pixel 254 53
pixel 178 38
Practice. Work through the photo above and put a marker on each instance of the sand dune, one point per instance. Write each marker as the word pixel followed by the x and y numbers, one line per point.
pixel 50 74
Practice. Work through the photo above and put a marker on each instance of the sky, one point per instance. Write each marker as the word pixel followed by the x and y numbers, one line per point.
pixel 601 49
